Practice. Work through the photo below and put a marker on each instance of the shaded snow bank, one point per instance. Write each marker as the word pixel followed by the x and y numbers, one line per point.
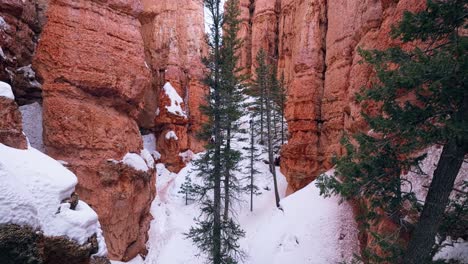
pixel 32 188
pixel 32 124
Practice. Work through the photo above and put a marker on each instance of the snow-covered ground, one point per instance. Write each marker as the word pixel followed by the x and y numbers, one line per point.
pixel 32 188
pixel 308 229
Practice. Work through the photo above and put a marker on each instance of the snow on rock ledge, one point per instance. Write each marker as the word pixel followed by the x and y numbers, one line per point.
pixel 32 188
pixel 171 134
pixel 135 161
pixel 5 91
pixel 176 101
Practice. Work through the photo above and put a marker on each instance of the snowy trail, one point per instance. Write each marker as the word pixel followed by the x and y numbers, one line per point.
pixel 309 229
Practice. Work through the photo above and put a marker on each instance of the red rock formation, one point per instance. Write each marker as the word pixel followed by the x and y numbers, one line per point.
pixel 91 58
pixel 171 128
pixel 173 32
pixel 19 29
pixel 317 44
pixel 11 129
pixel 301 59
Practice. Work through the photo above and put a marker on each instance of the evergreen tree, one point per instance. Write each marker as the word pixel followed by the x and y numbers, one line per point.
pixel 187 189
pixel 433 76
pixel 216 233
pixel 281 102
pixel 264 82
pixel 232 97
pixel 253 157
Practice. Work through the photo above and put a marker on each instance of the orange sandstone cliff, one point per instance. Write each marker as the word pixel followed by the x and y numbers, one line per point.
pixel 98 68
pixel 315 45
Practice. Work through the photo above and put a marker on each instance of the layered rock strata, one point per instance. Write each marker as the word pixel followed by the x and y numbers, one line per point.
pixel 317 45
pixel 20 25
pixel 174 36
pixel 11 128
pixel 91 58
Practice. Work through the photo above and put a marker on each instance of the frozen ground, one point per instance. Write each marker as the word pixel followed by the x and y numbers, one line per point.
pixel 308 230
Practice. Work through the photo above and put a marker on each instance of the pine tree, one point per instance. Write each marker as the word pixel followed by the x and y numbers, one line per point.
pixel 216 233
pixel 434 77
pixel 187 189
pixel 253 157
pixel 207 234
pixel 281 102
pixel 232 96
pixel 264 82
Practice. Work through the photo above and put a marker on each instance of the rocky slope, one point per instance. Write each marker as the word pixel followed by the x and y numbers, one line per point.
pixel 314 44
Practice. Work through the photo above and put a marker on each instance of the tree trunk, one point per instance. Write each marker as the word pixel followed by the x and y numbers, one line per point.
pixel 227 172
pixel 251 164
pixel 271 159
pixel 217 258
pixel 422 239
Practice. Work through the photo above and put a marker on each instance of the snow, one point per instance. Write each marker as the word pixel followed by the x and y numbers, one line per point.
pixel 187 156
pixel 457 250
pixel 5 91
pixel 2 54
pixel 32 124
pixel 156 155
pixel 171 134
pixel 149 142
pixel 308 229
pixel 135 161
pixel 420 183
pixel 146 155
pixel 31 190
pixel 3 24
pixel 176 101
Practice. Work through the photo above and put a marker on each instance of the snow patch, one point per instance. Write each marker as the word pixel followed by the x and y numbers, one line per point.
pixel 156 155
pixel 2 54
pixel 456 250
pixel 176 101
pixel 135 161
pixel 136 260
pixel 146 155
pixel 3 25
pixel 171 134
pixel 5 91
pixel 32 186
pixel 32 124
pixel 420 182
pixel 149 142
pixel 187 156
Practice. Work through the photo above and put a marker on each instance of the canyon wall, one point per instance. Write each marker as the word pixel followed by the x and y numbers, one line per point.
pixel 315 45
pixel 98 68
pixel 91 60
pixel 20 26
pixel 174 37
